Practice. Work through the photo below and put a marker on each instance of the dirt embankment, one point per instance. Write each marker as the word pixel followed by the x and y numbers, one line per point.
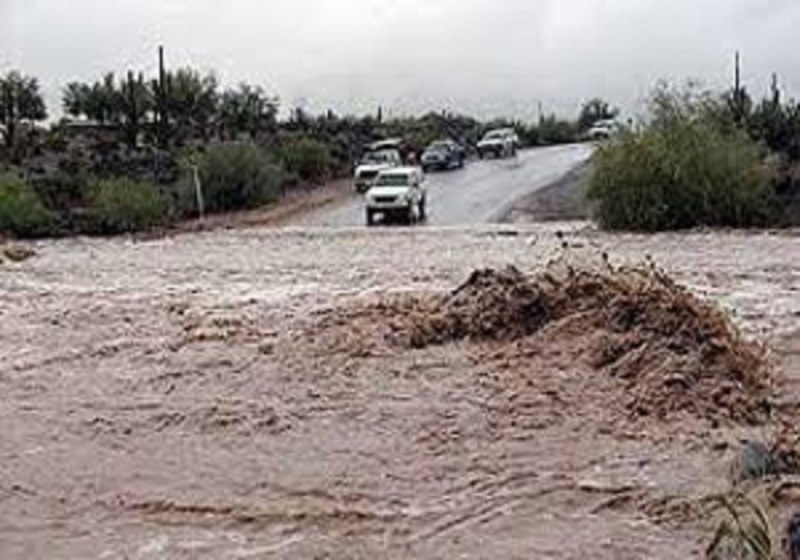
pixel 296 203
pixel 564 200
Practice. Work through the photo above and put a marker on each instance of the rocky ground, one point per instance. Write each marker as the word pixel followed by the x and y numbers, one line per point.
pixel 310 393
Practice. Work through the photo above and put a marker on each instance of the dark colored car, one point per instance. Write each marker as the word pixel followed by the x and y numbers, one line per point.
pixel 444 154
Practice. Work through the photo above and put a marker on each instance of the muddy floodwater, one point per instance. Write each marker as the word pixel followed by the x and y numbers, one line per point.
pixel 216 396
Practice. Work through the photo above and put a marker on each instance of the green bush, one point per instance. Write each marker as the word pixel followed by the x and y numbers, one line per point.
pixel 308 158
pixel 22 212
pixel 61 191
pixel 681 171
pixel 552 130
pixel 237 176
pixel 125 206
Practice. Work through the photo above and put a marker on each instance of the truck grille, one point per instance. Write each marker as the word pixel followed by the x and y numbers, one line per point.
pixel 385 199
pixel 368 175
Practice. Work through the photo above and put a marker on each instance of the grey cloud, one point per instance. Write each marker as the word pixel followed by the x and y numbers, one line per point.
pixel 487 56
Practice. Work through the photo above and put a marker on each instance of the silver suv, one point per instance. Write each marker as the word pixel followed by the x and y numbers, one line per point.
pixel 499 143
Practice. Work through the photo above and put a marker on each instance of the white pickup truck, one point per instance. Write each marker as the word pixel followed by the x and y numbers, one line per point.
pixel 397 193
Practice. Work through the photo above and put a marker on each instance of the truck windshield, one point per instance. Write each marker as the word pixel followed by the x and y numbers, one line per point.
pixel 393 180
pixel 439 147
pixel 378 157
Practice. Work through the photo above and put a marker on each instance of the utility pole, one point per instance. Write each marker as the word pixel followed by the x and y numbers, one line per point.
pixel 161 101
pixel 133 112
pixel 738 93
pixel 198 187
pixel 776 91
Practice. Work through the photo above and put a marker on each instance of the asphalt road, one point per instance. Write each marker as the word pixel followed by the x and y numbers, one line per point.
pixel 483 192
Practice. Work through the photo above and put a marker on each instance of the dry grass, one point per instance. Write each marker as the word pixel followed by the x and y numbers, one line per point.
pixel 743 531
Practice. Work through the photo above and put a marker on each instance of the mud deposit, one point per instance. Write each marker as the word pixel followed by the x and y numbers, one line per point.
pixel 308 394
pixel 673 352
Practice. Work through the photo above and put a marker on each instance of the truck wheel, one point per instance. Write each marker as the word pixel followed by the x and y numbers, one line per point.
pixel 370 218
pixel 411 215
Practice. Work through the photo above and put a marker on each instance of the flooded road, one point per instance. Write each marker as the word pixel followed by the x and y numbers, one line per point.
pixel 209 396
pixel 483 192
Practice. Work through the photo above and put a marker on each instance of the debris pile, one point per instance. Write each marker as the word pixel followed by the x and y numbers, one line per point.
pixel 17 253
pixel 671 351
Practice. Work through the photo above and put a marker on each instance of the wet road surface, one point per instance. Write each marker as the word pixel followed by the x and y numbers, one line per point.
pixel 482 192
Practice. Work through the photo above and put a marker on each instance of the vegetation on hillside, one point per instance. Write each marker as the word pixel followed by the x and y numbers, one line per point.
pixel 22 212
pixel 702 160
pixel 20 103
pixel 236 176
pixel 126 154
pixel 681 170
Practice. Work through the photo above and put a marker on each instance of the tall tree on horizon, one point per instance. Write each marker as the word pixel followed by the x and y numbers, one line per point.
pixel 247 109
pixel 20 101
pixel 135 103
pixel 191 103
pixel 594 111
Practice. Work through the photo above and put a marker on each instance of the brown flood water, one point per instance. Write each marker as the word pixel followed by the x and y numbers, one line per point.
pixel 207 396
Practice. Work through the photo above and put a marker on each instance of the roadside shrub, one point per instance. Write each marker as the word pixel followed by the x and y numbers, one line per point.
pixel 681 171
pixel 308 158
pixel 125 206
pixel 22 212
pixel 61 191
pixel 552 130
pixel 237 176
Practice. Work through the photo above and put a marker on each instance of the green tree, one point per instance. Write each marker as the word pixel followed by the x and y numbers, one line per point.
pixel 683 169
pixel 247 109
pixel 191 103
pixel 135 102
pixel 75 100
pixel 104 103
pixel 126 103
pixel 594 111
pixel 20 101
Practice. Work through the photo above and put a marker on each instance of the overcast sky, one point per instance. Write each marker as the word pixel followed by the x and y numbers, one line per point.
pixel 490 57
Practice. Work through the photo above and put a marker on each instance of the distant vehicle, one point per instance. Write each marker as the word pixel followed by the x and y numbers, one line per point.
pixel 372 164
pixel 397 193
pixel 499 143
pixel 602 130
pixel 388 144
pixel 444 154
